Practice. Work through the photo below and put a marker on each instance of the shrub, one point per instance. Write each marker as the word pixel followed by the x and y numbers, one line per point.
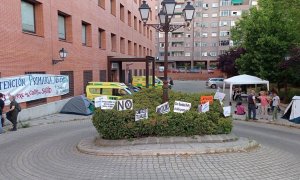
pixel 113 124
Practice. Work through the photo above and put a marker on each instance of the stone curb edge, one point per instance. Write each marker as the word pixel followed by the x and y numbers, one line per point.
pixel 88 149
pixel 220 138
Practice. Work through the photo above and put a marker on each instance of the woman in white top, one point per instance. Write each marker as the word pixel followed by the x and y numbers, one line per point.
pixel 275 104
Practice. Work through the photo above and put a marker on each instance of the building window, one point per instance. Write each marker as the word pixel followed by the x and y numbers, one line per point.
pixel 101 3
pixel 28 16
pixel 224 43
pixel 61 27
pixel 204 54
pixel 213 54
pixel 215 5
pixel 225 13
pixel 140 50
pixel 122 13
pixel 151 36
pixel 129 47
pixel 135 49
pixel 205 15
pixel 224 33
pixel 129 18
pixel 122 45
pixel 203 44
pixel 113 39
pixel 224 23
pixel 71 83
pixel 214 15
pixel 101 37
pixel 102 74
pixel 204 34
pixel 214 24
pixel 135 22
pixel 214 34
pixel 113 7
pixel 205 5
pixel 86 33
pixel 214 44
pixel 83 35
pixel 187 54
pixel 140 27
pixel 87 77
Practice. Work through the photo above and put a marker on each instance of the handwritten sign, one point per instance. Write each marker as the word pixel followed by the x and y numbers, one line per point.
pixel 219 96
pixel 108 104
pixel 98 100
pixel 33 86
pixel 227 111
pixel 205 107
pixel 163 108
pixel 123 105
pixel 181 107
pixel 141 114
pixel 204 99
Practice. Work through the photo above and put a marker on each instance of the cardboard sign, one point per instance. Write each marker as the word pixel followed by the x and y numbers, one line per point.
pixel 204 99
pixel 219 96
pixel 181 107
pixel 141 114
pixel 123 105
pixel 108 104
pixel 205 107
pixel 163 108
pixel 227 111
pixel 98 100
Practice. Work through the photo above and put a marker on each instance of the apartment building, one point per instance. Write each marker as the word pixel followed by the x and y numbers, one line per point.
pixel 32 32
pixel 208 36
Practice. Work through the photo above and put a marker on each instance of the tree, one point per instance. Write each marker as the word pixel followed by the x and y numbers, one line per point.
pixel 227 61
pixel 267 33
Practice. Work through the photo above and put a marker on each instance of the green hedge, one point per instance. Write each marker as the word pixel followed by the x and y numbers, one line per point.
pixel 113 124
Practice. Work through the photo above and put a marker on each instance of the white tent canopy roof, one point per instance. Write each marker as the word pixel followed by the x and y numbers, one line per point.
pixel 296 98
pixel 245 79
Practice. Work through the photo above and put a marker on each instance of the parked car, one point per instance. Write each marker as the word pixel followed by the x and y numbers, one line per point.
pixel 215 82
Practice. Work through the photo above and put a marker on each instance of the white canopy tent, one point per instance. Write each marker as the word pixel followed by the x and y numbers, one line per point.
pixel 243 80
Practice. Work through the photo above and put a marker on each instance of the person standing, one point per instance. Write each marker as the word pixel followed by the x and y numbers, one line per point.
pixel 275 105
pixel 13 112
pixel 1 109
pixel 252 105
pixel 264 104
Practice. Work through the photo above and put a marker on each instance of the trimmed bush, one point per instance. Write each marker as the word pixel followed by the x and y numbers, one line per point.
pixel 113 124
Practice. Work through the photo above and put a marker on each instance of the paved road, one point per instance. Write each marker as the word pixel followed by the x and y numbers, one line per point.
pixel 49 152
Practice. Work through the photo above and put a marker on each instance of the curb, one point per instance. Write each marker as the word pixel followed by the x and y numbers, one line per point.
pixel 167 140
pixel 87 146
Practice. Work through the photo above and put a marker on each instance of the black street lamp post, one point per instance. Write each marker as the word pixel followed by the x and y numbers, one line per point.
pixel 165 15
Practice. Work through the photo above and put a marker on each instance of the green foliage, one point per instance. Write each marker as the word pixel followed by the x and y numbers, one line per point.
pixel 267 33
pixel 113 124
pixel 289 95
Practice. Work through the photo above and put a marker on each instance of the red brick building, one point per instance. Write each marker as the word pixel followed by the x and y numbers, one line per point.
pixel 33 31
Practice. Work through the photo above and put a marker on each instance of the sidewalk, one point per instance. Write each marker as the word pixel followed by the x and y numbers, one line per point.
pixel 50 119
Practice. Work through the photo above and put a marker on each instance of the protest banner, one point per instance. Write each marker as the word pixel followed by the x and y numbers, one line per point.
pixel 108 104
pixel 99 99
pixel 141 114
pixel 204 99
pixel 33 86
pixel 123 105
pixel 181 107
pixel 227 111
pixel 163 108
pixel 219 96
pixel 205 107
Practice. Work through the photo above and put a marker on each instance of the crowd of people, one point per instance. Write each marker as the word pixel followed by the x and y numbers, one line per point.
pixel 266 102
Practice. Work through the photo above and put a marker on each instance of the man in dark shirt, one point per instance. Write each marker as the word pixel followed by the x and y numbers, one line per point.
pixel 1 109
pixel 252 105
pixel 13 112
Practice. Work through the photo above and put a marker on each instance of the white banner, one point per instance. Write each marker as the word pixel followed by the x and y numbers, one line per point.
pixel 34 86
pixel 107 104
pixel 205 107
pixel 98 100
pixel 141 114
pixel 227 111
pixel 181 107
pixel 220 96
pixel 163 108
